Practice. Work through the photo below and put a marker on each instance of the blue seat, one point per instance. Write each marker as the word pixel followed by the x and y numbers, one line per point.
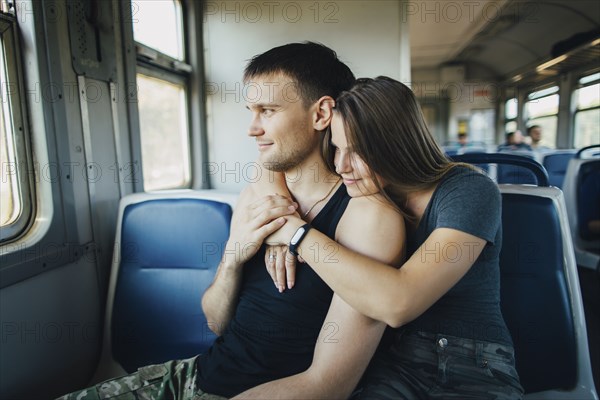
pixel 511 167
pixel 588 199
pixel 540 294
pixel 582 196
pixel 516 174
pixel 556 163
pixel 168 247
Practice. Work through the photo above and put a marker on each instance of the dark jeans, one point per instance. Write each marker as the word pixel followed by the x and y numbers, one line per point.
pixel 421 365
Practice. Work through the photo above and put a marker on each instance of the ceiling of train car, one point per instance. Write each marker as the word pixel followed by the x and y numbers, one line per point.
pixel 506 35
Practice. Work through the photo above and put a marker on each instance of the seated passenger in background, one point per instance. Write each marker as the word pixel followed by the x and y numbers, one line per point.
pixel 463 140
pixel 312 339
pixel 449 339
pixel 514 141
pixel 535 133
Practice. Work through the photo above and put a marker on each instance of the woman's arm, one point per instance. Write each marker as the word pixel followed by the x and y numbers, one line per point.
pixel 380 291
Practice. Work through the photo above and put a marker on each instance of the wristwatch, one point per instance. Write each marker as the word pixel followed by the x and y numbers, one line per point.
pixel 297 238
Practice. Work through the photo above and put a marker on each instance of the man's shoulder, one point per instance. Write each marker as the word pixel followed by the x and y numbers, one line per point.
pixel 370 212
pixel 373 227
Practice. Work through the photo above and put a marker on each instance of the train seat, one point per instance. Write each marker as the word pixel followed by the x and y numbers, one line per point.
pixel 167 248
pixel 556 163
pixel 582 196
pixel 540 293
pixel 514 174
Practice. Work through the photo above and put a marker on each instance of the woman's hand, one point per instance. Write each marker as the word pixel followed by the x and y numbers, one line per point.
pixel 250 225
pixel 281 266
pixel 280 263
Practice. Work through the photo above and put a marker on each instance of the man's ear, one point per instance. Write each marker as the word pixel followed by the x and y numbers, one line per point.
pixel 323 113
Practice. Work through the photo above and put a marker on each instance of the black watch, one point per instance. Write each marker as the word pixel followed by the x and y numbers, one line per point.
pixel 297 238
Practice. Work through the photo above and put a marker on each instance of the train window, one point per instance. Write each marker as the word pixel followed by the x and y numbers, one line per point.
pixel 511 110
pixel 15 190
pixel 587 111
pixel 165 144
pixel 157 24
pixel 541 108
pixel 162 80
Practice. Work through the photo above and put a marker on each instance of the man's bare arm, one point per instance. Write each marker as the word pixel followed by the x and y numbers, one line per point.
pixel 251 223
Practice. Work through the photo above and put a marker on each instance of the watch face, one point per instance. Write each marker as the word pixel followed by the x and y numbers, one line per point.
pixel 297 235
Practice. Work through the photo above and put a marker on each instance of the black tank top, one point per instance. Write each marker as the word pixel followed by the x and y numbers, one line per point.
pixel 272 335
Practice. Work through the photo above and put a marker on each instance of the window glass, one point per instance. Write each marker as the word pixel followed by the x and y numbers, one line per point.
pixel 9 203
pixel 589 78
pixel 587 128
pixel 164 133
pixel 543 93
pixel 510 126
pixel 158 24
pixel 587 114
pixel 588 96
pixel 541 109
pixel 511 109
pixel 16 205
pixel 542 106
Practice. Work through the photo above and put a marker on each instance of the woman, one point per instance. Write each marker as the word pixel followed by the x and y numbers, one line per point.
pixel 450 339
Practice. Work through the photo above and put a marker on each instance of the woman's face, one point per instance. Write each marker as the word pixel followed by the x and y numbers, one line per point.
pixel 353 170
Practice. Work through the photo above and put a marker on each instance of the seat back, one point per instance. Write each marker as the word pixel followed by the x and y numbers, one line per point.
pixel 540 294
pixel 588 199
pixel 582 196
pixel 534 290
pixel 168 247
pixel 556 163
pixel 523 166
pixel 516 174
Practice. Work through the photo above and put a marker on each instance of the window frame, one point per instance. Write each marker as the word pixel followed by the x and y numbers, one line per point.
pixel 16 107
pixel 155 64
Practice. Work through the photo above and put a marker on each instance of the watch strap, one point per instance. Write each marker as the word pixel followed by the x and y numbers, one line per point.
pixel 297 238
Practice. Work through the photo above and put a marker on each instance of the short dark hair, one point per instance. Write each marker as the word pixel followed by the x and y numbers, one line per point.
pixel 532 127
pixel 314 68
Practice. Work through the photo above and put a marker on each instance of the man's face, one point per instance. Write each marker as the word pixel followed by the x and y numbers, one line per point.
pixel 281 124
pixel 536 134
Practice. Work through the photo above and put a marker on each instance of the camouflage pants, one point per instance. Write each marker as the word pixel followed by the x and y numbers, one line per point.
pixel 423 365
pixel 171 380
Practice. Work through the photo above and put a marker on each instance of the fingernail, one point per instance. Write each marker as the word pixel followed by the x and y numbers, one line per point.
pixel 292 208
pixel 290 284
pixel 281 289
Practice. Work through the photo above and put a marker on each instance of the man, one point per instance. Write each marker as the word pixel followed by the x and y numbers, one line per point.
pixel 535 133
pixel 306 342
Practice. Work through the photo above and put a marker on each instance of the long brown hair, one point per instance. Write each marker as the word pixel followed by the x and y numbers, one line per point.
pixel 385 126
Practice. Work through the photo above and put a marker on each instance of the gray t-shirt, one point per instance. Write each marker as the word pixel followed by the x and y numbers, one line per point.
pixel 470 202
